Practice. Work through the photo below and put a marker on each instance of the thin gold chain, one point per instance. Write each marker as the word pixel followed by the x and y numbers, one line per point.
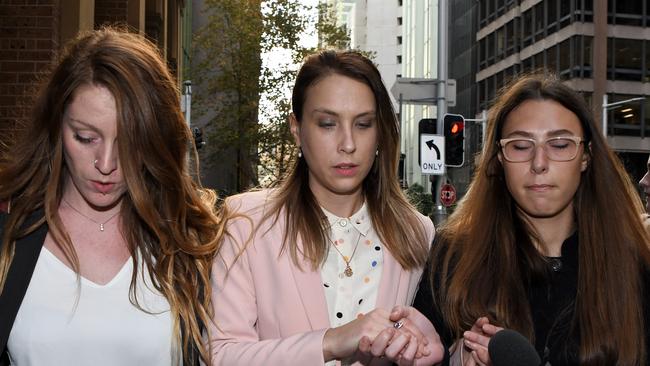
pixel 101 224
pixel 348 269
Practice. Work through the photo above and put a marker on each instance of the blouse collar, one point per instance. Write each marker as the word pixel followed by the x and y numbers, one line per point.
pixel 360 220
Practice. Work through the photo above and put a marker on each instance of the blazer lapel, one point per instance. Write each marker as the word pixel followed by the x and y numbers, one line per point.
pixel 310 288
pixel 393 283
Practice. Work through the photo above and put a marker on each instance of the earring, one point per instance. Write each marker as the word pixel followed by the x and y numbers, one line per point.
pixel 377 152
pixel 299 154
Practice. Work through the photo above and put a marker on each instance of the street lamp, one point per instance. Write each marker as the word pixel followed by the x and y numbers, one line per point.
pixel 607 106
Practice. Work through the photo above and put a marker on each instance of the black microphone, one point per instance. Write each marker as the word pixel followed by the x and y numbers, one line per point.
pixel 509 348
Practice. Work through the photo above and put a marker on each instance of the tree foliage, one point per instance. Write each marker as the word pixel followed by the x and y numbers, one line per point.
pixel 245 96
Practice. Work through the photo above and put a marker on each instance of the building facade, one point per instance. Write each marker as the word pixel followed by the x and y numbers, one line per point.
pixel 600 48
pixel 33 32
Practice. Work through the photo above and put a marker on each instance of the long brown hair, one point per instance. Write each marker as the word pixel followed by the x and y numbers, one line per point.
pixel 393 217
pixel 169 222
pixel 491 251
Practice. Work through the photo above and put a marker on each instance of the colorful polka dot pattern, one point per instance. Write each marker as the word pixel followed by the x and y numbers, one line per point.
pixel 348 298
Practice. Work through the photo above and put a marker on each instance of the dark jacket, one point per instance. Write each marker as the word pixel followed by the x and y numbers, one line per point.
pixel 552 305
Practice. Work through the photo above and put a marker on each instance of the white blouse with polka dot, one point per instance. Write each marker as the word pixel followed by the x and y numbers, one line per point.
pixel 350 297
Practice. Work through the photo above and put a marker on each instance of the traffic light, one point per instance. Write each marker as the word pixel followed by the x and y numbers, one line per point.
pixel 198 137
pixel 454 127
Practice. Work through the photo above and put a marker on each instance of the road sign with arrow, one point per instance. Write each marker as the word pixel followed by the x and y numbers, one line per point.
pixel 432 154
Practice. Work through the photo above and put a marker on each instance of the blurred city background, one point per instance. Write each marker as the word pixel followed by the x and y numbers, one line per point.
pixel 235 61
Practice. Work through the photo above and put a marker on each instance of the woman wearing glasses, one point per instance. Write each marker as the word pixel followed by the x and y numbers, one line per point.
pixel 548 240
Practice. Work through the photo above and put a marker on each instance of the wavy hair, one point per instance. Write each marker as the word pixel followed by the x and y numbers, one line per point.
pixel 170 222
pixel 393 216
pixel 490 247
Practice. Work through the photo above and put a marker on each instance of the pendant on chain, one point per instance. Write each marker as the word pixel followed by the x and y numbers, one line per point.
pixel 348 271
pixel 101 227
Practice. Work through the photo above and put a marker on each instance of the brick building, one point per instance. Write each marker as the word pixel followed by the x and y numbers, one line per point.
pixel 33 31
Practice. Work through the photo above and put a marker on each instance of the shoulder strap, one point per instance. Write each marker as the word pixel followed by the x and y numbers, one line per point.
pixel 20 273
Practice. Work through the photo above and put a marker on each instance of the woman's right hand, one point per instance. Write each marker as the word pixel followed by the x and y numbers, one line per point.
pixel 343 341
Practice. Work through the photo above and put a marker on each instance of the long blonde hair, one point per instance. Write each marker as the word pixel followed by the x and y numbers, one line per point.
pixel 166 216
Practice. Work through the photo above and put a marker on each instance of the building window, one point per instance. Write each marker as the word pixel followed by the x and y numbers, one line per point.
pixel 629 12
pixel 551 15
pixel 551 59
pixel 627 59
pixel 500 43
pixel 566 59
pixel 527 28
pixel 399 39
pixel 483 14
pixel 399 20
pixel 565 13
pixel 587 56
pixel 490 48
pixel 647 63
pixel 510 37
pixel 538 18
pixel 399 59
pixel 399 2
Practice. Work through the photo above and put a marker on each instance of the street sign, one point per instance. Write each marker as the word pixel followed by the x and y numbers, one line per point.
pixel 447 194
pixel 423 91
pixel 432 154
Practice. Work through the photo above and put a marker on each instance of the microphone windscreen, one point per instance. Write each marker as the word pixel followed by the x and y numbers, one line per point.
pixel 508 347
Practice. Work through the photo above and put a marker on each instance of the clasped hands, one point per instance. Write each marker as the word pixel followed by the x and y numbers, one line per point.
pixel 416 342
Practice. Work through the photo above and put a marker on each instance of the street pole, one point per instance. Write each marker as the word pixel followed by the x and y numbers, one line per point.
pixel 605 115
pixel 442 85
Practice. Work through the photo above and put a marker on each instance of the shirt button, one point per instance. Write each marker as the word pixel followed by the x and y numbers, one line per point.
pixel 343 223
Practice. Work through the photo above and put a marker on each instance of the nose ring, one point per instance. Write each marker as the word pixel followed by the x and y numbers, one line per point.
pixel 95 163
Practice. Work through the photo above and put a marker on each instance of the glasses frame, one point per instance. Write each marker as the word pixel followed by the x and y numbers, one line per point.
pixel 576 139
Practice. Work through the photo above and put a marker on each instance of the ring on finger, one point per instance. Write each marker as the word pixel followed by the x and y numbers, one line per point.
pixel 398 324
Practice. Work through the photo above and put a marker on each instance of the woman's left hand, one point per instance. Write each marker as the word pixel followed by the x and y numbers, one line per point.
pixel 476 342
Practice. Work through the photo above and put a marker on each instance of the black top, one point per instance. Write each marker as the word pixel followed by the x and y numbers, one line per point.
pixel 552 304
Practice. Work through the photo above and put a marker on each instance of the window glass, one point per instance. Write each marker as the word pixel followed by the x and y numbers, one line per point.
pixel 629 12
pixel 527 27
pixel 510 37
pixel 500 42
pixel 551 9
pixel 551 59
pixel 627 59
pixel 565 13
pixel 564 55
pixel 587 56
pixel 539 21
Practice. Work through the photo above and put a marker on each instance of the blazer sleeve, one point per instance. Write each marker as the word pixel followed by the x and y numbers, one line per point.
pixel 233 337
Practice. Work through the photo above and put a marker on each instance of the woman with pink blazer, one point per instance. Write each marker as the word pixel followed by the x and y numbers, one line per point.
pixel 309 271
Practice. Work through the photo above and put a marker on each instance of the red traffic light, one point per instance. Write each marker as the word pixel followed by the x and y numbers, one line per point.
pixel 456 127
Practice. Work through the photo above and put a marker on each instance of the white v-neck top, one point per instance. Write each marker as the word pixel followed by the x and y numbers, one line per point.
pixel 65 322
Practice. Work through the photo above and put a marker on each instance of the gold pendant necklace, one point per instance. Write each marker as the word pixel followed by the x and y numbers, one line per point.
pixel 348 269
pixel 101 224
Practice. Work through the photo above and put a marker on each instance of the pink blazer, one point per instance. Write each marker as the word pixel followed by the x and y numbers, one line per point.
pixel 267 311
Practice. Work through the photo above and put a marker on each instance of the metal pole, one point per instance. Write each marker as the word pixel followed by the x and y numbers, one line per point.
pixel 605 115
pixel 187 94
pixel 442 77
pixel 402 138
pixel 442 61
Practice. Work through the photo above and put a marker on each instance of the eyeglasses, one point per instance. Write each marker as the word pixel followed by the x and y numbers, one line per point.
pixel 519 150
